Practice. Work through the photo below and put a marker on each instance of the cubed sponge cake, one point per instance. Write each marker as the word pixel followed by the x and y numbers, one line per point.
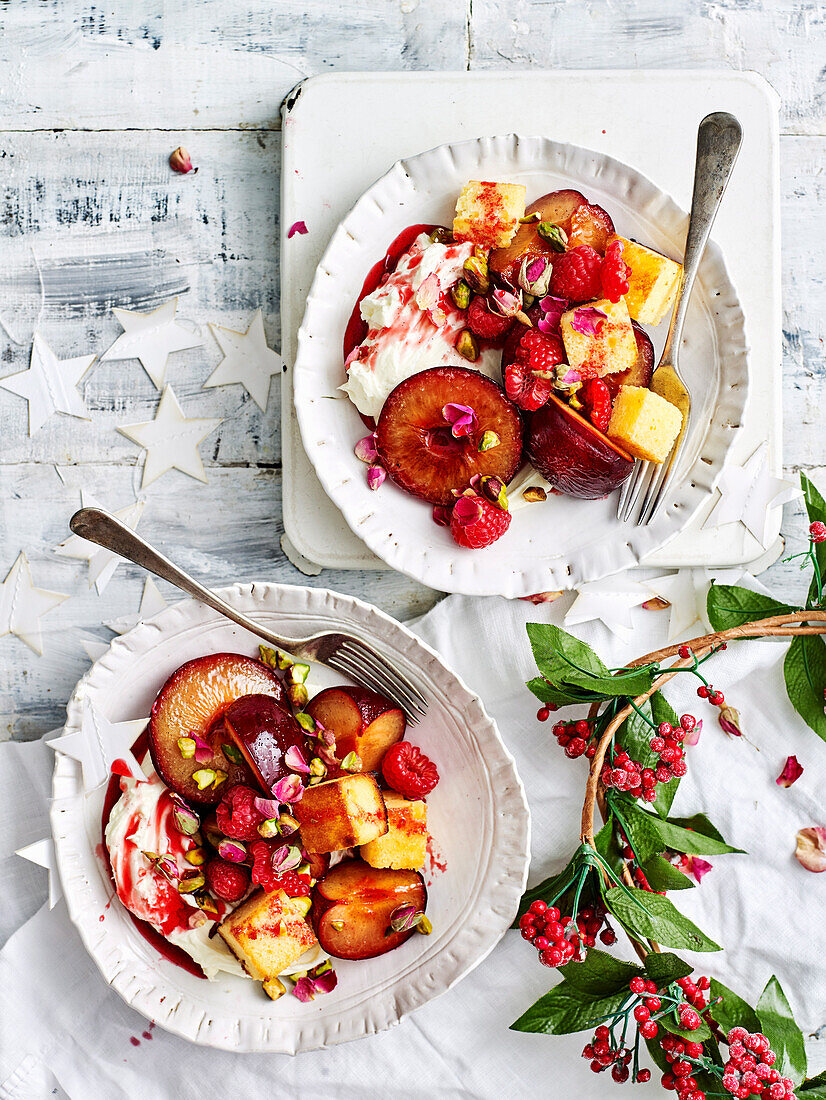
pixel 613 348
pixel 653 283
pixel 644 424
pixel 403 846
pixel 341 813
pixel 267 932
pixel 488 213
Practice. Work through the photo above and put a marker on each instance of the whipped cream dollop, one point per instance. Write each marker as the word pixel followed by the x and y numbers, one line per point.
pixel 412 324
pixel 142 821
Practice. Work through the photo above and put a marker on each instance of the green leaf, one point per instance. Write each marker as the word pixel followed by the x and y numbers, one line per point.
pixel 778 1025
pixel 566 1009
pixel 641 828
pixel 562 696
pixel 699 1035
pixel 601 974
pixel 731 1010
pixel 730 605
pixel 679 839
pixel 663 967
pixel 564 659
pixel 663 875
pixel 805 673
pixel 635 734
pixel 545 890
pixel 814 1088
pixel 698 823
pixel 650 916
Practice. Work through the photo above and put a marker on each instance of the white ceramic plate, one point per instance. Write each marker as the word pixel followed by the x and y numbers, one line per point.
pixel 563 542
pixel 477 816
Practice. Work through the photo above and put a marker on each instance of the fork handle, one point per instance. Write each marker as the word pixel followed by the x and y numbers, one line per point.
pixel 718 143
pixel 100 527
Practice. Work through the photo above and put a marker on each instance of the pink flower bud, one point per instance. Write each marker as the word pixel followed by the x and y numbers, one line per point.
pixel 375 477
pixel 179 161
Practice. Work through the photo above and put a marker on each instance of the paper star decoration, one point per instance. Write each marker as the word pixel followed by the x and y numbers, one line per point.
pixel 102 563
pixel 151 338
pixel 50 384
pixel 151 603
pixel 687 591
pixel 170 440
pixel 94 648
pixel 247 360
pixel 21 605
pixel 99 744
pixel 610 601
pixel 43 854
pixel 748 493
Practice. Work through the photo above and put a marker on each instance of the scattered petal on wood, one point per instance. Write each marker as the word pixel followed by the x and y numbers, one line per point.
pixel 792 771
pixel 297 227
pixel 542 597
pixel 811 848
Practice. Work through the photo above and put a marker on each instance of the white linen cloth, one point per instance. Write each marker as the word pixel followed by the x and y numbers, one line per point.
pixel 63 1032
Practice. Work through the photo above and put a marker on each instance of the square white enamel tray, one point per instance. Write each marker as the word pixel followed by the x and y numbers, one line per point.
pixel 342 131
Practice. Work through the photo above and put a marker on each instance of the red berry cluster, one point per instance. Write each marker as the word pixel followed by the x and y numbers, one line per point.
pixel 559 939
pixel 749 1072
pixel 575 738
pixel 603 1055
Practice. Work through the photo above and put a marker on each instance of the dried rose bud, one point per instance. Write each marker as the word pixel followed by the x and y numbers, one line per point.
pixel 179 161
pixel 404 919
pixel 505 302
pixel 535 275
pixel 811 848
pixel 286 858
pixel 460 293
pixel 488 441
pixel 729 719
pixel 365 449
pixel 534 493
pixel 233 851
pixel 555 235
pixel 476 273
pixel 164 865
pixel 375 477
pixel 186 820
pixel 467 346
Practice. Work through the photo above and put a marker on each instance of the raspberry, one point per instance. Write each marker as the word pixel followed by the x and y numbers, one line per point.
pixel 409 772
pixel 482 322
pixel 227 881
pixel 237 816
pixel 536 351
pixel 817 531
pixel 615 272
pixel 265 875
pixel 486 524
pixel 596 400
pixel 576 274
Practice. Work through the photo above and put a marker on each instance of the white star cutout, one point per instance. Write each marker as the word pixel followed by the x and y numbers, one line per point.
pixel 687 592
pixel 170 440
pixel 610 601
pixel 99 743
pixel 247 360
pixel 151 338
pixel 151 603
pixel 94 648
pixel 50 384
pixel 102 563
pixel 748 493
pixel 43 854
pixel 21 605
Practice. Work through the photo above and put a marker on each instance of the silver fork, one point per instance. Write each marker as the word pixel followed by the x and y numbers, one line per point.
pixel 718 143
pixel 343 652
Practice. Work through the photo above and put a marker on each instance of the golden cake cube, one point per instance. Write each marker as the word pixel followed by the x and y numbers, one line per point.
pixel 644 424
pixel 612 348
pixel 488 213
pixel 267 932
pixel 341 813
pixel 653 284
pixel 403 846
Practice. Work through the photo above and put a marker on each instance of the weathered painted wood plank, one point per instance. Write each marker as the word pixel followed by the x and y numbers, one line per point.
pixel 69 63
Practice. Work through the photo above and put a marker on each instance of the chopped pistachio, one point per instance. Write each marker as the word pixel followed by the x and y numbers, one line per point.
pixel 195 856
pixel 186 747
pixel 467 346
pixel 424 926
pixel 476 273
pixel 352 762
pixel 232 753
pixel 555 235
pixel 460 293
pixel 306 721
pixel 488 441
pixel 191 882
pixel 298 673
pixel 534 493
pixel 205 777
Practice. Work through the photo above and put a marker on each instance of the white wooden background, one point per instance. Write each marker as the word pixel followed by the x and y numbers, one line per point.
pixel 92 100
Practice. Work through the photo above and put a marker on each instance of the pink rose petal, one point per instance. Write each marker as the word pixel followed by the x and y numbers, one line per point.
pixel 365 449
pixel 203 753
pixel 289 789
pixel 296 761
pixel 466 511
pixel 462 419
pixel 542 597
pixel 588 320
pixel 303 989
pixel 552 309
pixel 354 354
pixel 326 982
pixel 441 515
pixel 296 227
pixel 269 807
pixel 375 477
pixel 698 867
pixel 811 848
pixel 792 771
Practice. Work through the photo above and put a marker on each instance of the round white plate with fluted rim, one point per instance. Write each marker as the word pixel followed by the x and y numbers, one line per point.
pixel 477 816
pixel 562 542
